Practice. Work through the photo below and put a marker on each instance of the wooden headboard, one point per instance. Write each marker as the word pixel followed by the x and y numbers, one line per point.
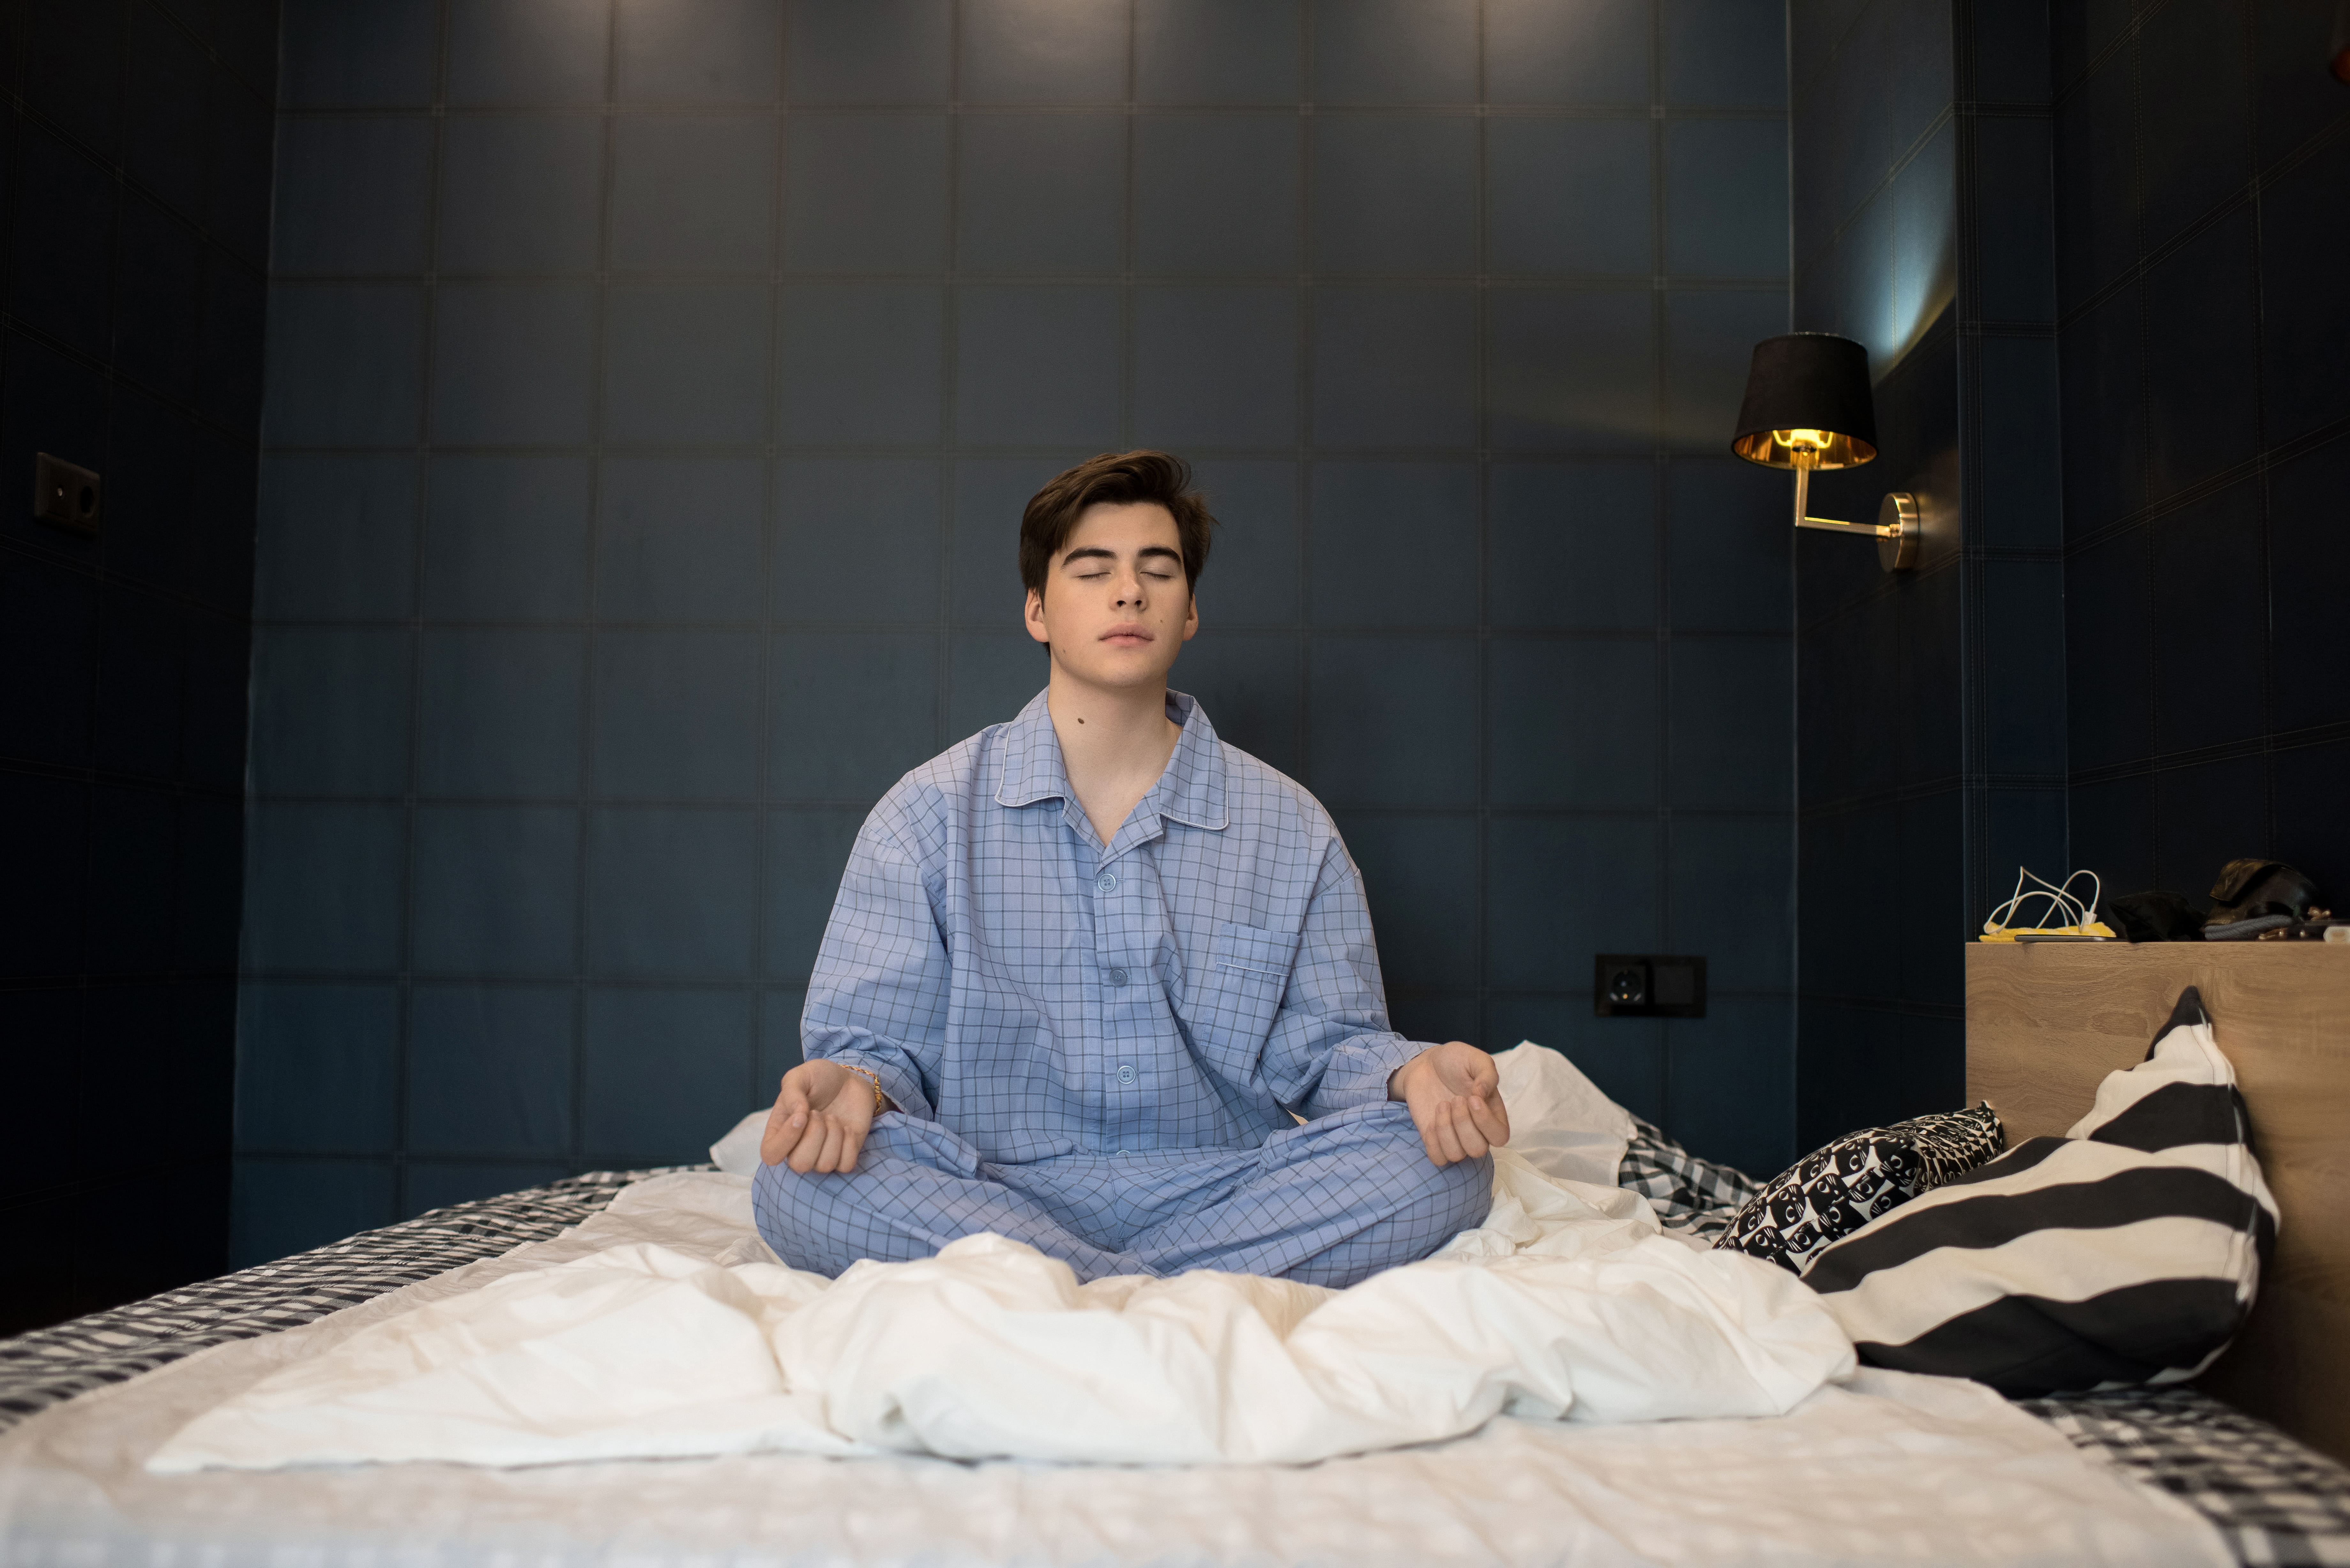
pixel 2047 1021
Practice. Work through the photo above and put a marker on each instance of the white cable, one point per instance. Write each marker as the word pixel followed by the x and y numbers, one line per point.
pixel 2061 902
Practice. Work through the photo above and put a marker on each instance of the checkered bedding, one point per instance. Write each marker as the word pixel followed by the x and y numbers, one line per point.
pixel 50 1366
pixel 2274 1501
pixel 1689 1194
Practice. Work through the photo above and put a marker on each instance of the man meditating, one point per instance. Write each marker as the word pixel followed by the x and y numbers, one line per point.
pixel 1085 966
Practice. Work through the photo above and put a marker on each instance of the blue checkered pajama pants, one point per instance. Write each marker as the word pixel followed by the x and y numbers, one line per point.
pixel 1330 1202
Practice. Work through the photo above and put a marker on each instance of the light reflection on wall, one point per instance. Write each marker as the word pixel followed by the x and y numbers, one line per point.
pixel 1915 275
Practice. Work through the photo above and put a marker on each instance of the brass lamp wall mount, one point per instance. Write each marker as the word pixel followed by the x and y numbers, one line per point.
pixel 1808 407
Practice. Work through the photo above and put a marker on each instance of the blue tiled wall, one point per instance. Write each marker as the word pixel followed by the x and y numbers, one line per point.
pixel 2202 156
pixel 654 388
pixel 1882 767
pixel 2124 223
pixel 136 191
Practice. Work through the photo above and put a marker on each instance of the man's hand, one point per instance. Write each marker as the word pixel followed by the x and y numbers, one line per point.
pixel 820 1119
pixel 1454 1094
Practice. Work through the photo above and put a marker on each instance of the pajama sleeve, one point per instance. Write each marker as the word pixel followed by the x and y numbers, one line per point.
pixel 878 997
pixel 1331 1048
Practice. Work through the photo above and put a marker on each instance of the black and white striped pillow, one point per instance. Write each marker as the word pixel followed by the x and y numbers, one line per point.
pixel 2125 1253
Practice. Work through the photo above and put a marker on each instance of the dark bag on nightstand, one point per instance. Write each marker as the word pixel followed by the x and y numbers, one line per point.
pixel 2252 896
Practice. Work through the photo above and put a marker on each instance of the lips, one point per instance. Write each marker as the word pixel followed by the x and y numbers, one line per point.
pixel 1126 636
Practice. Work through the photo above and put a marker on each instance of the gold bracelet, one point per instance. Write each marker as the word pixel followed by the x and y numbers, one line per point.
pixel 880 1100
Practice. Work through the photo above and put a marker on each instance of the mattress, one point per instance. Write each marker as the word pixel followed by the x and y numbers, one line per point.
pixel 2270 1500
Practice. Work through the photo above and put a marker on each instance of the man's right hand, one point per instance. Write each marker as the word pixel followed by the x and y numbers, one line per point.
pixel 820 1119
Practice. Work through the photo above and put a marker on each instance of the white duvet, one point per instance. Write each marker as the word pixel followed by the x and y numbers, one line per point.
pixel 664 1328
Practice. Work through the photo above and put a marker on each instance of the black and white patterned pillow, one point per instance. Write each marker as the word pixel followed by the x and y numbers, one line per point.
pixel 1835 1190
pixel 2126 1252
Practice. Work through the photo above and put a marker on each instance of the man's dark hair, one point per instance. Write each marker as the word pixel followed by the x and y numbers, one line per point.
pixel 1120 479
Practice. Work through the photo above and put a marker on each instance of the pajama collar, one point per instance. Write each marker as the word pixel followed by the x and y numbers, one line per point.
pixel 1191 790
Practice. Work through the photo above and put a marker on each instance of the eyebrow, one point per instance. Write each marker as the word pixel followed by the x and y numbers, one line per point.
pixel 1096 551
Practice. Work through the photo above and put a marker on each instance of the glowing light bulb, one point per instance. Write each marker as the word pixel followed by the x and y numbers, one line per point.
pixel 1801 440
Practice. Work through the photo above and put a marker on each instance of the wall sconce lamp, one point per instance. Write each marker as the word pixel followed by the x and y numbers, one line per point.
pixel 1808 406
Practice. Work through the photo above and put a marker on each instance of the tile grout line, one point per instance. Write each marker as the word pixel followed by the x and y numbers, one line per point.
pixel 2266 491
pixel 907 109
pixel 2141 411
pixel 92 691
pixel 771 674
pixel 1481 974
pixel 1237 281
pixel 1974 815
pixel 217 259
pixel 1307 305
pixel 404 1016
pixel 582 915
pixel 1795 667
pixel 1130 370
pixel 1660 495
pixel 1465 629
pixel 949 469
pixel 2322 735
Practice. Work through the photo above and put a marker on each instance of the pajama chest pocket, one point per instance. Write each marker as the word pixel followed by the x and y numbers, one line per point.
pixel 1233 1003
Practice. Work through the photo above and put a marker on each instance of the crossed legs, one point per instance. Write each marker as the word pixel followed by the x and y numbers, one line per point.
pixel 1330 1202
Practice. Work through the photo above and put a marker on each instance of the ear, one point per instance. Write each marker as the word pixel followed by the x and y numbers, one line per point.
pixel 1191 616
pixel 1033 617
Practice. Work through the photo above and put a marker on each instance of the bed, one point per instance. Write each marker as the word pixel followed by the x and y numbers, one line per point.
pixel 2186 1477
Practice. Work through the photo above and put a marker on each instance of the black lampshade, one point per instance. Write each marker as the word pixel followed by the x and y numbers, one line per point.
pixel 1807 382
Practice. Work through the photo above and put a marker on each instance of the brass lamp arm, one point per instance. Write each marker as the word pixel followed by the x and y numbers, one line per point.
pixel 1803 497
pixel 1874 530
pixel 1899 531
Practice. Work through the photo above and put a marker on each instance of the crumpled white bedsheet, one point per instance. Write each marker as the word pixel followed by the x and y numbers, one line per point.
pixel 678 1335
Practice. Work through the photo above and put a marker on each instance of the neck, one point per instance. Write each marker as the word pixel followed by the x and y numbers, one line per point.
pixel 1115 743
pixel 1113 729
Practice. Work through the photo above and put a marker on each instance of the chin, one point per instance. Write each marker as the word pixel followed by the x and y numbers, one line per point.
pixel 1122 669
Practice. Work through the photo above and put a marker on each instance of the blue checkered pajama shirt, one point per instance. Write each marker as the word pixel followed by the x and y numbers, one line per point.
pixel 1098 1050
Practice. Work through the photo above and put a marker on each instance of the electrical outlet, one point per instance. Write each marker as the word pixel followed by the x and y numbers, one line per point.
pixel 66 495
pixel 1647 985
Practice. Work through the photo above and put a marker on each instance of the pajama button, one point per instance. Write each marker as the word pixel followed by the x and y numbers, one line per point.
pixel 1125 1073
pixel 1107 882
pixel 1117 977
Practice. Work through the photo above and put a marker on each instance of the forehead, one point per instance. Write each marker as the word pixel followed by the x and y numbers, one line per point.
pixel 1124 527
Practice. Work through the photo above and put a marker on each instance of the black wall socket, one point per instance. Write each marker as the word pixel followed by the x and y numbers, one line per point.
pixel 68 496
pixel 1647 985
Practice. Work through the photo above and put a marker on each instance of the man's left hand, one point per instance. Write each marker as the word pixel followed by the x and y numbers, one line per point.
pixel 1454 1096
